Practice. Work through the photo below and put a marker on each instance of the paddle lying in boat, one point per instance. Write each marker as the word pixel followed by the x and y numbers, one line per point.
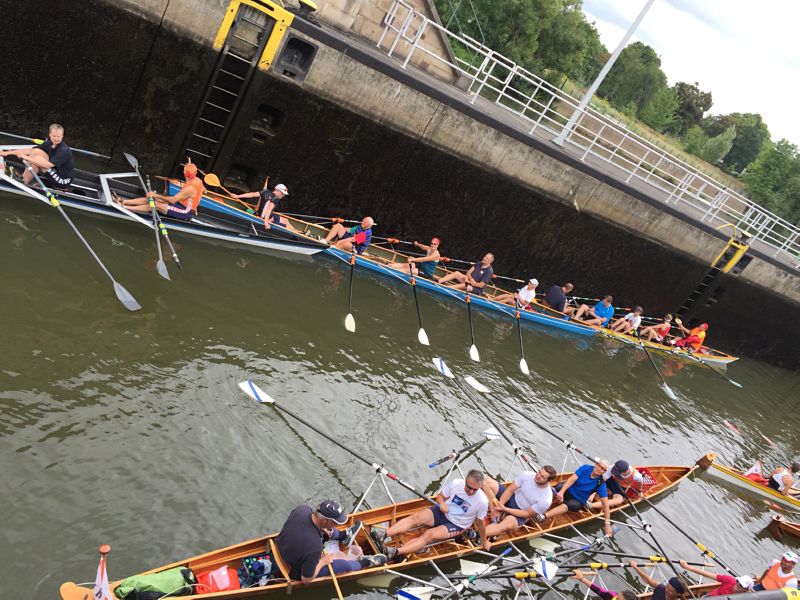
pixel 123 295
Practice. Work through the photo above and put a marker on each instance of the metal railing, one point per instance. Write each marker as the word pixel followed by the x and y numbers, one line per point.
pixel 544 110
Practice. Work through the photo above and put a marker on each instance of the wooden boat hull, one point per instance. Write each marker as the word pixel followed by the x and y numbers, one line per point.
pixel 711 356
pixel 779 526
pixel 734 477
pixel 698 590
pixel 666 477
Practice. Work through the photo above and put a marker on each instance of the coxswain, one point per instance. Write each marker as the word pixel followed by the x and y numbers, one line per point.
pixel 268 203
pixel 598 315
pixel 728 584
pixel 180 206
pixel 694 338
pixel 629 323
pixel 51 160
pixel 780 574
pixel 510 506
pixel 421 265
pixel 522 297
pixel 657 333
pixel 475 279
pixel 352 239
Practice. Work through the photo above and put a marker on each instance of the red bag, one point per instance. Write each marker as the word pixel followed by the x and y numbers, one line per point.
pixel 218 580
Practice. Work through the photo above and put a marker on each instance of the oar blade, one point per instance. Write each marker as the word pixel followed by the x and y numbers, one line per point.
pixel 546 569
pixel 440 365
pixel 492 434
pixel 523 366
pixel 473 353
pixel 470 567
pixel 255 392
pixel 668 391
pixel 384 580
pixel 476 385
pixel 162 269
pixel 350 323
pixel 416 593
pixel 124 296
pixel 736 383
pixel 131 160
pixel 423 337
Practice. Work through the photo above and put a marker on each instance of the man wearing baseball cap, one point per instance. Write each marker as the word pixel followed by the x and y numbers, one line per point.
pixel 301 538
pixel 728 584
pixel 268 203
pixel 621 480
pixel 674 588
pixel 780 574
pixel 524 295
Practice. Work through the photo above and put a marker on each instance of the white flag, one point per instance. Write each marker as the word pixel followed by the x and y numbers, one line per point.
pixel 101 589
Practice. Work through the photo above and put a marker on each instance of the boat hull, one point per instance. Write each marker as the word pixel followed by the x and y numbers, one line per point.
pixel 780 527
pixel 714 357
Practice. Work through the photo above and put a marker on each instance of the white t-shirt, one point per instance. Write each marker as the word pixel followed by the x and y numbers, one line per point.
pixel 528 494
pixel 462 509
pixel 634 319
pixel 525 295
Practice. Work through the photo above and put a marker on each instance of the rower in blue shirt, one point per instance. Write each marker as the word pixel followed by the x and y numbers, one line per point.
pixel 598 315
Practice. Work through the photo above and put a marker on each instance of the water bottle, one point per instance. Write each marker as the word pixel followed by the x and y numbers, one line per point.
pixel 267 564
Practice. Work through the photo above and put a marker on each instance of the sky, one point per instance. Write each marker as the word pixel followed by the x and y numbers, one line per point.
pixel 747 54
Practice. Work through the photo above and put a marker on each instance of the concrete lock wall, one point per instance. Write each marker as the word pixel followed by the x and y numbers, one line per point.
pixel 350 140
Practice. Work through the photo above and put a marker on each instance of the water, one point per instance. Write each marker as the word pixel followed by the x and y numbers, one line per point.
pixel 129 429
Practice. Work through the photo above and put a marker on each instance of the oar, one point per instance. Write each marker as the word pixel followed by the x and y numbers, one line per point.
pixel 124 296
pixel 704 363
pixel 349 321
pixel 667 390
pixel 471 579
pixel 160 266
pixel 37 141
pixel 489 435
pixel 421 335
pixel 156 217
pixel 214 181
pixel 260 396
pixel 473 351
pixel 523 365
pixel 335 581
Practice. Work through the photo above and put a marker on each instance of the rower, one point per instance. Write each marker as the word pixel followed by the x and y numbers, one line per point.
pixel 530 494
pixel 780 574
pixel 268 203
pixel 522 297
pixel 475 279
pixel 781 479
pixel 728 584
pixel 674 588
pixel 556 297
pixel 620 478
pixel 629 323
pixel 601 592
pixel 182 205
pixel 421 265
pixel 573 494
pixel 300 540
pixel 694 338
pixel 657 333
pixel 460 503
pixel 597 315
pixel 51 160
pixel 353 238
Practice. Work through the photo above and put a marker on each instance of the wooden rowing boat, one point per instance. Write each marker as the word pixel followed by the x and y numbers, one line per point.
pixel 736 478
pixel 665 477
pixel 780 526
pixel 698 590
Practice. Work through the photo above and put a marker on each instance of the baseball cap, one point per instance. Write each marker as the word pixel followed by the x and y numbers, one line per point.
pixel 677 585
pixel 746 582
pixel 534 281
pixel 620 467
pixel 790 556
pixel 795 466
pixel 333 511
pixel 282 188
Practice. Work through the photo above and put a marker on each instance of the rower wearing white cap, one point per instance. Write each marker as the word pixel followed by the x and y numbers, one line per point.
pixel 780 574
pixel 728 584
pixel 268 203
pixel 523 295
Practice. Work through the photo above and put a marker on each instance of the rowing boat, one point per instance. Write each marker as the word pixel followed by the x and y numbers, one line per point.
pixel 736 478
pixel 664 478
pixel 90 193
pixel 780 526
pixel 698 590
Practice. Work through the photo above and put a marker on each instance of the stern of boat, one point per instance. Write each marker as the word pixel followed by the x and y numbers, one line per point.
pixel 705 461
pixel 73 591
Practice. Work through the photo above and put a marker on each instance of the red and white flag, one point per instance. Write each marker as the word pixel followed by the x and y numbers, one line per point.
pixel 101 589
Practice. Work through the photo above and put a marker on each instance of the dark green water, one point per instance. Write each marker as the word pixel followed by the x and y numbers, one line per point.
pixel 129 428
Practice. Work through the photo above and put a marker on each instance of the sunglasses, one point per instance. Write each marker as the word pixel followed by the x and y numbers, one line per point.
pixel 469 488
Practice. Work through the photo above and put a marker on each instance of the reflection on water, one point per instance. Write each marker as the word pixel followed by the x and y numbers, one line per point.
pixel 130 429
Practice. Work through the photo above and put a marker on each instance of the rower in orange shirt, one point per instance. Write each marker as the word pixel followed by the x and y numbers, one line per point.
pixel 180 206
pixel 694 338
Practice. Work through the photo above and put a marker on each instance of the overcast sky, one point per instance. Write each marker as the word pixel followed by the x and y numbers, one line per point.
pixel 747 54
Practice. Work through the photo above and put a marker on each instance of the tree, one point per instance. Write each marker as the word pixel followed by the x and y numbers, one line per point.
pixel 751 135
pixel 659 112
pixel 570 44
pixel 773 180
pixel 635 78
pixel 694 140
pixel 718 146
pixel 692 104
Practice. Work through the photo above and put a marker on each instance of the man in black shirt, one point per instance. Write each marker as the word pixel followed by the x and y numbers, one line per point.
pixel 300 542
pixel 268 203
pixel 556 296
pixel 52 160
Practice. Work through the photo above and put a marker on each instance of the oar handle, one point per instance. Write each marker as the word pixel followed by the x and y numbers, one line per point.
pixel 457 453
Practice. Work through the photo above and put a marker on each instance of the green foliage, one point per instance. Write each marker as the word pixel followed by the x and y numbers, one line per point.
pixel 635 78
pixel 715 149
pixel 773 180
pixel 751 135
pixel 569 45
pixel 659 112
pixel 694 140
pixel 692 104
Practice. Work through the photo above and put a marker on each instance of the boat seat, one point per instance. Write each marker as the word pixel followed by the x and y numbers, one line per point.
pixel 281 565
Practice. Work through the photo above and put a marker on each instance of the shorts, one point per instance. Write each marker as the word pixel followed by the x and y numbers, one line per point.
pixel 51 179
pixel 614 488
pixel 179 211
pixel 573 504
pixel 512 503
pixel 773 485
pixel 439 518
pixel 275 218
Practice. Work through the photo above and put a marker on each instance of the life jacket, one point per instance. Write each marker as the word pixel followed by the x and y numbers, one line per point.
pixel 193 202
pixel 773 579
pixel 700 335
pixel 629 482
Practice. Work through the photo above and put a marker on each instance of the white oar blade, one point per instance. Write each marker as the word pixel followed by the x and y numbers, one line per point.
pixel 416 593
pixel 470 568
pixel 736 383
pixel 668 391
pixel 378 581
pixel 546 569
pixel 423 337
pixel 491 434
pixel 125 297
pixel 350 323
pixel 542 544
pixel 162 270
pixel 476 385
pixel 523 366
pixel 442 367
pixel 255 392
pixel 473 353
pixel 131 160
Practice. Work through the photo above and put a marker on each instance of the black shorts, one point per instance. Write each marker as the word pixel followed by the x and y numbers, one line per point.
pixel 54 181
pixel 573 504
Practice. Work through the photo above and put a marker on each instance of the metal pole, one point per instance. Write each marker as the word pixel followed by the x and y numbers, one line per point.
pixel 603 72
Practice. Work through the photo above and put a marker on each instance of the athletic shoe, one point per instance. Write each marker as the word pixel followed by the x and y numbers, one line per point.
pixel 540 518
pixel 378 536
pixel 351 532
pixel 374 560
pixel 392 555
pixel 471 535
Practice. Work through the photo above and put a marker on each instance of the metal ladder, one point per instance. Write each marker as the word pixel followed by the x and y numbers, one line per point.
pixel 237 63
pixel 707 284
